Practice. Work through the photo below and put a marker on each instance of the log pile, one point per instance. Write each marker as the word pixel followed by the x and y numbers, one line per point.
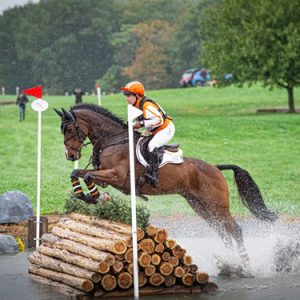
pixel 84 254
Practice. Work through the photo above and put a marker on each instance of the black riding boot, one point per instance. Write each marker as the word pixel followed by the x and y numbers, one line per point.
pixel 152 170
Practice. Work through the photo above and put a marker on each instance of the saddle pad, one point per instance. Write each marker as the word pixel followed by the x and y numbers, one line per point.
pixel 168 157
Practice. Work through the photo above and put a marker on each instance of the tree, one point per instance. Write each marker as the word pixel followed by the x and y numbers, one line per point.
pixel 152 63
pixel 256 41
pixel 186 43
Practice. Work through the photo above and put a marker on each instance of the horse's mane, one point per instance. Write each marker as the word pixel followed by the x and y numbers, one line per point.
pixel 100 110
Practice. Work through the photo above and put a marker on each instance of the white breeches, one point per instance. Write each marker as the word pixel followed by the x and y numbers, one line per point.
pixel 162 137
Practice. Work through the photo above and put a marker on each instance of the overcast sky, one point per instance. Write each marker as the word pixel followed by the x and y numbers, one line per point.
pixel 6 4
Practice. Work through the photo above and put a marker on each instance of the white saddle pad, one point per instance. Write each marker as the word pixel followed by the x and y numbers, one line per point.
pixel 168 158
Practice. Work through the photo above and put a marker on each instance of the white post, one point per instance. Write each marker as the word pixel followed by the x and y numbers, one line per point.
pixel 131 115
pixel 38 193
pixel 38 105
pixel 17 90
pixel 99 95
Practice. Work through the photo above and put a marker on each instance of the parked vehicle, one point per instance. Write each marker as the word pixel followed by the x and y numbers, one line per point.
pixel 195 77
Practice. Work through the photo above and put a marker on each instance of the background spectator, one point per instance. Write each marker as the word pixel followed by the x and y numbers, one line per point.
pixel 78 95
pixel 21 101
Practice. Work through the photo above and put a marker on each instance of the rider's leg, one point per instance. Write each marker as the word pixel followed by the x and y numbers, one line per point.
pixel 152 170
pixel 160 139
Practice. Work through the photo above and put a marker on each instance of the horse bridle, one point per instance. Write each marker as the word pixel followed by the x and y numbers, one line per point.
pixel 79 133
pixel 82 136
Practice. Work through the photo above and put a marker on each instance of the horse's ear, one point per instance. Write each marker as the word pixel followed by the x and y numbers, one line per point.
pixel 68 115
pixel 58 112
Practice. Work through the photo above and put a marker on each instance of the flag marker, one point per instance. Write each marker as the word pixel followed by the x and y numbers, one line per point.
pixel 38 105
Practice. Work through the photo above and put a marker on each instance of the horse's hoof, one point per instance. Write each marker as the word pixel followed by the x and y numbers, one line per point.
pixel 104 197
pixel 90 199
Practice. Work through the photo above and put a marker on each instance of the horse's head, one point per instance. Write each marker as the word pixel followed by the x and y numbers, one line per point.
pixel 73 135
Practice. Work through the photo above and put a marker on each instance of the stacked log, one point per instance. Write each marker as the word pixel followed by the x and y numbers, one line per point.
pixel 95 256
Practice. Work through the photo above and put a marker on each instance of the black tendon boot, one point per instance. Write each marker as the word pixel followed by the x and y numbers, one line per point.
pixel 152 170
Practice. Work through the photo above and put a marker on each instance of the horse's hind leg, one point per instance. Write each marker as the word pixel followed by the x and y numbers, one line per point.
pixel 222 221
pixel 214 222
pixel 234 230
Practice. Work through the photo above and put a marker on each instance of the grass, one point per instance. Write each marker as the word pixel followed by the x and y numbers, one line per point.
pixel 220 126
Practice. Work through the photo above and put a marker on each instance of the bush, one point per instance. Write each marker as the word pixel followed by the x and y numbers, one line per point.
pixel 118 210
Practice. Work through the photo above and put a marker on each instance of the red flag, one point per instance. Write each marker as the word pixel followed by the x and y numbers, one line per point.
pixel 34 91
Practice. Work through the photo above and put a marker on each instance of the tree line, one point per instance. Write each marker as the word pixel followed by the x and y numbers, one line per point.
pixel 63 44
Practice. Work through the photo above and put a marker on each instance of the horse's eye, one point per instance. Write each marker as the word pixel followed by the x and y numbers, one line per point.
pixel 69 130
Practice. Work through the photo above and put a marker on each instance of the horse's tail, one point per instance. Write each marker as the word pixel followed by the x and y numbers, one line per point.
pixel 250 193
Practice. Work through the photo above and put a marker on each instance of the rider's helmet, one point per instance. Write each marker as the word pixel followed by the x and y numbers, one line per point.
pixel 134 87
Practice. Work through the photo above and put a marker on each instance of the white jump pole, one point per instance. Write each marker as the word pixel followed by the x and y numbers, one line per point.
pixel 38 187
pixel 133 113
pixel 76 164
pixel 39 105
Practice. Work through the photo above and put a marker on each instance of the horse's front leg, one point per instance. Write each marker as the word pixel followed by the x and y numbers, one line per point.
pixel 101 177
pixel 94 195
pixel 77 188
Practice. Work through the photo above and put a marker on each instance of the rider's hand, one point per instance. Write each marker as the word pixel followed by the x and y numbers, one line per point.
pixel 137 125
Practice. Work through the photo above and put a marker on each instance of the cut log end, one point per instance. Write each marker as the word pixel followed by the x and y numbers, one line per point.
pixel 144 259
pixel 188 279
pixel 147 245
pixel 124 280
pixel 120 247
pixel 109 282
pixel 166 268
pixel 159 248
pixel 156 279
pixel 150 270
pixel 103 267
pixel 170 280
pixel 161 236
pixel 117 267
pixel 179 272
pixel 151 230
pixel 202 277
pixel 187 260
pixel 142 279
pixel 170 243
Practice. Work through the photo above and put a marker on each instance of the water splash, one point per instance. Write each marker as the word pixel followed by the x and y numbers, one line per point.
pixel 271 247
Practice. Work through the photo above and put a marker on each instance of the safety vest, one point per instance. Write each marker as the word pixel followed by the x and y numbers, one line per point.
pixel 165 116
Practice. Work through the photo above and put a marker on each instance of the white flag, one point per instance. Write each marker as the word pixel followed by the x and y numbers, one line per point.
pixel 133 112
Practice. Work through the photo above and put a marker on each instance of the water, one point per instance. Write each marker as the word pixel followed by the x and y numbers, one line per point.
pixel 262 242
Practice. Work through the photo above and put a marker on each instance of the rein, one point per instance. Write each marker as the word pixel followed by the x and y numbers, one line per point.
pixel 94 159
pixel 98 144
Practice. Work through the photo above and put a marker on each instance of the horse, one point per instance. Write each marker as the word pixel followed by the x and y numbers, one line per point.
pixel 202 185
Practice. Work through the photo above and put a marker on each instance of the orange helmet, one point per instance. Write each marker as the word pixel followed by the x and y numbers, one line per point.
pixel 134 87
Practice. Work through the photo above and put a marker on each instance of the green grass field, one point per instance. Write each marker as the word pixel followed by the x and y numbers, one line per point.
pixel 220 126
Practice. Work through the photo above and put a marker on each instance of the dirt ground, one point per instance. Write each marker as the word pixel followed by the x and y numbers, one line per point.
pixel 21 229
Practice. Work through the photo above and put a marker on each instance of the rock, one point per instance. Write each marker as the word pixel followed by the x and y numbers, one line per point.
pixel 8 244
pixel 15 207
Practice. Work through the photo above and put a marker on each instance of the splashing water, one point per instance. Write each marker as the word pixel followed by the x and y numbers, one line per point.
pixel 271 247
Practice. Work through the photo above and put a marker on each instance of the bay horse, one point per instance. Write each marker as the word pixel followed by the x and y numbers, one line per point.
pixel 201 184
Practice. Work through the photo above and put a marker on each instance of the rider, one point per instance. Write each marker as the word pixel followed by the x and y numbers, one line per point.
pixel 155 120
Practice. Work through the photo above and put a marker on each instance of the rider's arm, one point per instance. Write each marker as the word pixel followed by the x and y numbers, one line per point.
pixel 152 117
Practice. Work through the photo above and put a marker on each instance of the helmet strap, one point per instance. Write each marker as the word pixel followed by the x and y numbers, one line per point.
pixel 136 99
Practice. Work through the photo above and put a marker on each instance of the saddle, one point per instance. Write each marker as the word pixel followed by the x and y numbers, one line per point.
pixel 170 153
